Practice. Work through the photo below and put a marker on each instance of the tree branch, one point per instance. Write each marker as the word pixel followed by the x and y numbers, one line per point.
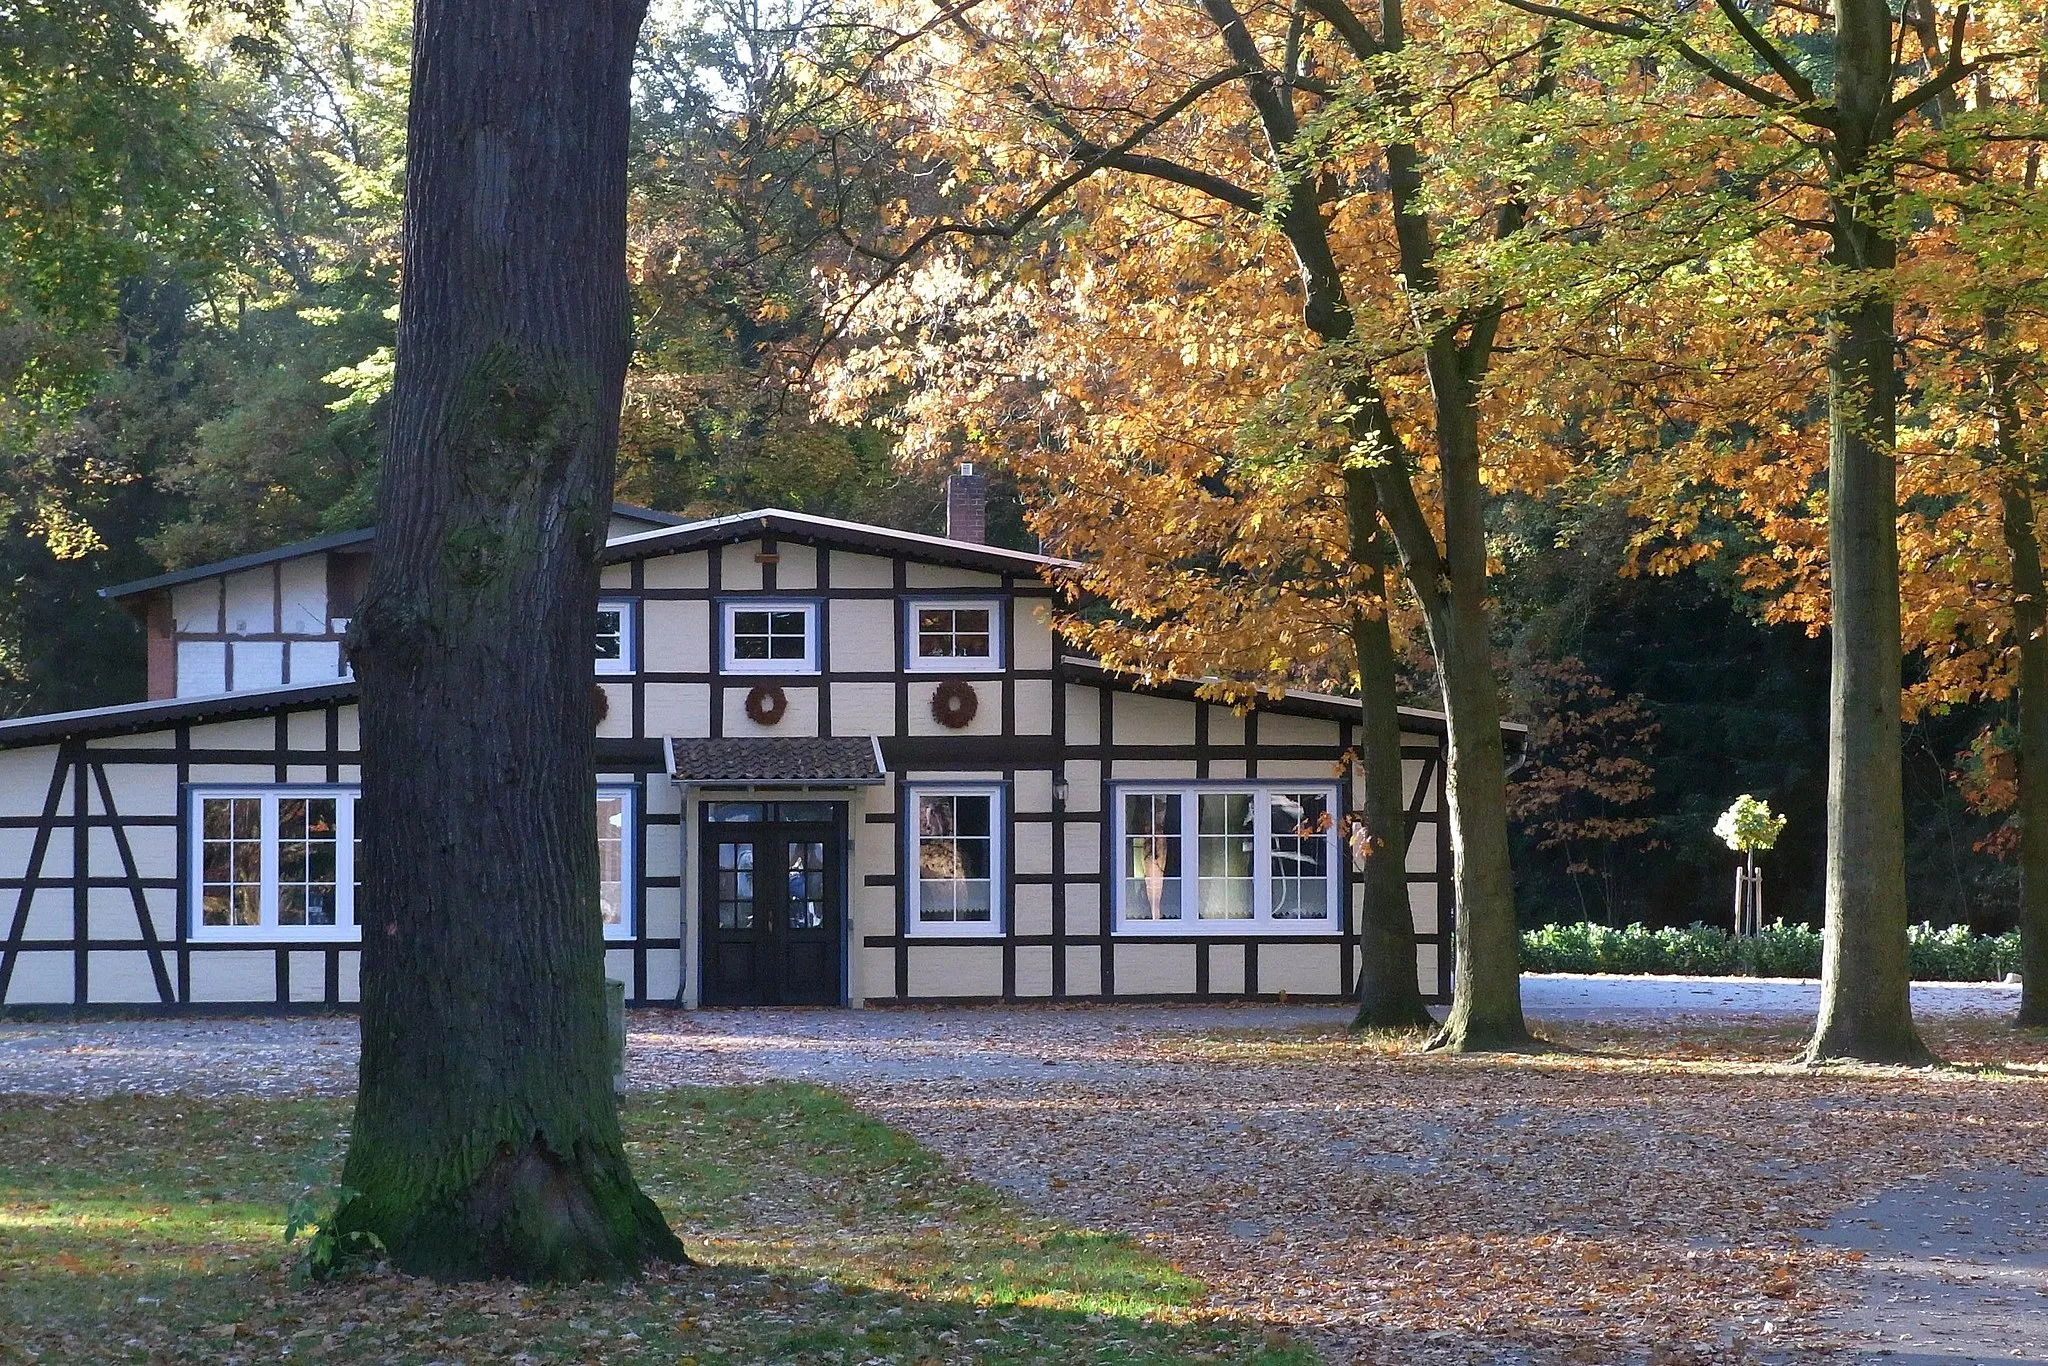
pixel 1794 79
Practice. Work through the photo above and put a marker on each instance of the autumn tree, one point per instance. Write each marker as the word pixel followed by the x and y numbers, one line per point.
pixel 1585 776
pixel 1797 127
pixel 1307 136
pixel 486 1138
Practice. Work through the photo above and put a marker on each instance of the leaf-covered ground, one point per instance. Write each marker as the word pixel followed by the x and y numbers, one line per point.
pixel 149 1229
pixel 1635 1196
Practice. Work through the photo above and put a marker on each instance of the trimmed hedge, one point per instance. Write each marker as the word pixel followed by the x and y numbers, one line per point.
pixel 1950 955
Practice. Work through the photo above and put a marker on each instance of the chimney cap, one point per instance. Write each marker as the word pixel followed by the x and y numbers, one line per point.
pixel 967 468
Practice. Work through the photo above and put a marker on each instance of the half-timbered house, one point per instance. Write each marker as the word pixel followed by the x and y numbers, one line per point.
pixel 838 764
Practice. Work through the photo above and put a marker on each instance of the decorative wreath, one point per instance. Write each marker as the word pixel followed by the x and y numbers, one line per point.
pixel 600 702
pixel 766 703
pixel 954 705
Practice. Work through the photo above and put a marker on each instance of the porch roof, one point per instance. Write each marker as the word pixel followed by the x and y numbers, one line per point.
pixel 777 761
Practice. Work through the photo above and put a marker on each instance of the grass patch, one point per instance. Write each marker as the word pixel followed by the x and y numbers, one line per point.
pixel 150 1229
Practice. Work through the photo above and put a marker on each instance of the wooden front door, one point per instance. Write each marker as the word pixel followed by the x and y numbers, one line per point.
pixel 772 903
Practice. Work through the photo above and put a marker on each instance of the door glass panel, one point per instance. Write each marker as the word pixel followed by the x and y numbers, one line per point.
pixel 803 811
pixel 733 811
pixel 736 886
pixel 806 865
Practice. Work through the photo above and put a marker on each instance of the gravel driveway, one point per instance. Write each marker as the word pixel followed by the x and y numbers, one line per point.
pixel 1394 1208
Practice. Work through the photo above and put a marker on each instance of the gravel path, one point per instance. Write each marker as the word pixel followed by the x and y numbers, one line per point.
pixel 1531 1212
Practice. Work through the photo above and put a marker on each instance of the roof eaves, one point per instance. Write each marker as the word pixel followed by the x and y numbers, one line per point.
pixel 831 530
pixel 129 717
pixel 253 560
pixel 1327 702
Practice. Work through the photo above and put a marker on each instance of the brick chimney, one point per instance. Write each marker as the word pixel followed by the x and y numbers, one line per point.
pixel 967 506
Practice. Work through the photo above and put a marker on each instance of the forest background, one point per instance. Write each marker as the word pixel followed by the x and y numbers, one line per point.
pixel 198 258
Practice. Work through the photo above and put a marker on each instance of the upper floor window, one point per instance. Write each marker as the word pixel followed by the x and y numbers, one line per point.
pixel 615 637
pixel 1227 859
pixel 955 635
pixel 771 637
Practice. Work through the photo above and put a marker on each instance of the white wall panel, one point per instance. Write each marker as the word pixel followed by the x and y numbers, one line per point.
pixel 306 976
pixel 234 975
pixel 195 607
pixel 691 569
pixel 40 978
pixel 853 570
pixel 863 709
pixel 863 635
pixel 945 576
pixel 202 668
pixel 679 709
pixel 258 664
pixel 1306 969
pixel 1154 969
pixel 1084 970
pixel 1226 969
pixel 956 970
pixel 1084 720
pixel 1031 633
pixel 678 637
pixel 304 604
pixel 1034 971
pixel 738 570
pixel 251 602
pixel 122 977
pixel 1277 728
pixel 314 661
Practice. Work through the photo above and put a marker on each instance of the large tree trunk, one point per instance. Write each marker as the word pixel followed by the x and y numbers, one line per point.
pixel 1866 1007
pixel 486 1138
pixel 1389 995
pixel 1486 1001
pixel 2030 629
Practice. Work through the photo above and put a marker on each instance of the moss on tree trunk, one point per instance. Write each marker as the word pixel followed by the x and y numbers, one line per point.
pixel 486 1138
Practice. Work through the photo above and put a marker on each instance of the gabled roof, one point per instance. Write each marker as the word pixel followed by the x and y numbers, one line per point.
pixel 339 540
pixel 129 717
pixel 830 531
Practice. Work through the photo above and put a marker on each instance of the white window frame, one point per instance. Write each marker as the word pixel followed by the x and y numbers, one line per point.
pixel 1261 922
pixel 954 664
pixel 629 870
pixel 732 607
pixel 628 657
pixel 344 929
pixel 998 863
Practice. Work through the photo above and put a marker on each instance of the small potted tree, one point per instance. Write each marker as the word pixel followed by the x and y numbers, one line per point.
pixel 1747 827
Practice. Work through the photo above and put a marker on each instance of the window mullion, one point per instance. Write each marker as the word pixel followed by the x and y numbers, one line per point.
pixel 1262 832
pixel 266 895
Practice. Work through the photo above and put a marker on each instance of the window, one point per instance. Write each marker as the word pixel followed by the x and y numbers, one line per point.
pixel 615 860
pixel 771 638
pixel 284 862
pixel 277 863
pixel 954 635
pixel 955 855
pixel 1224 858
pixel 615 637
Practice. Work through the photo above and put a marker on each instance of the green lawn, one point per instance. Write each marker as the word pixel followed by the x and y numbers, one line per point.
pixel 141 1229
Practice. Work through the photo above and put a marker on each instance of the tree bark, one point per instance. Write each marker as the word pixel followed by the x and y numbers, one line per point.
pixel 486 1138
pixel 1389 995
pixel 1866 1006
